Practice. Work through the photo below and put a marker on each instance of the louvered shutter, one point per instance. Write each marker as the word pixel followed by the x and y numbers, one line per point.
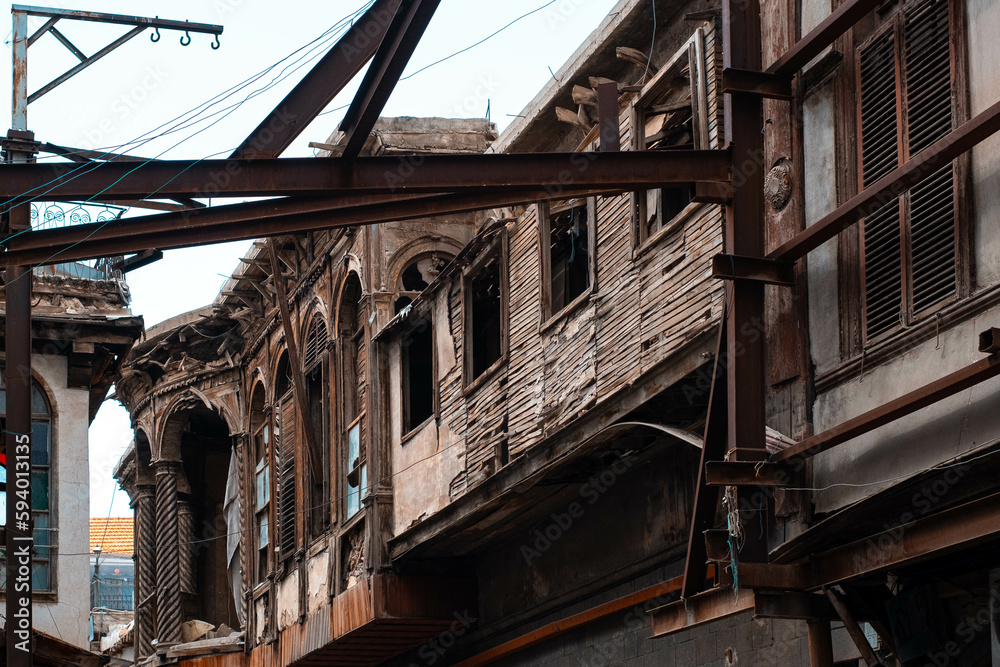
pixel 315 341
pixel 286 477
pixel 927 61
pixel 880 155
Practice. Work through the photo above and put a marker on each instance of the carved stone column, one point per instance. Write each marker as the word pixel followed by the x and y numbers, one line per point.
pixel 168 575
pixel 145 573
pixel 185 528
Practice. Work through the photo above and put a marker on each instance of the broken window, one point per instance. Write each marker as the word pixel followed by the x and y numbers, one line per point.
pixel 670 114
pixel 354 368
pixel 484 290
pixel 566 232
pixel 284 457
pixel 419 390
pixel 911 246
pixel 315 371
pixel 417 276
pixel 42 500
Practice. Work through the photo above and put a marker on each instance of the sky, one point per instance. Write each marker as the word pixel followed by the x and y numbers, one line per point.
pixel 135 99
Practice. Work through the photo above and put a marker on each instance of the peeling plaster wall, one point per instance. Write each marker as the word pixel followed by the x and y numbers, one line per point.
pixel 317 576
pixel 68 617
pixel 288 600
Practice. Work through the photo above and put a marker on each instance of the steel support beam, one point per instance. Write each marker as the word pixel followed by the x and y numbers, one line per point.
pixel 251 220
pixel 907 404
pixel 820 643
pixel 764 84
pixel 628 170
pixel 401 38
pixel 822 36
pixel 122 19
pixel 853 629
pixel 792 606
pixel 891 186
pixel 323 82
pixel 749 473
pixel 767 271
pixel 702 608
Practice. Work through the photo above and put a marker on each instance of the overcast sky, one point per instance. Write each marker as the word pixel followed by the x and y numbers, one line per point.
pixel 143 85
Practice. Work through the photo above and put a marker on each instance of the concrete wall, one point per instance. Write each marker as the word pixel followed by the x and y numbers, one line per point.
pixel 68 616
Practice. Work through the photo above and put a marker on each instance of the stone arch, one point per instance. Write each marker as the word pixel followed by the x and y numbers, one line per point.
pixel 417 248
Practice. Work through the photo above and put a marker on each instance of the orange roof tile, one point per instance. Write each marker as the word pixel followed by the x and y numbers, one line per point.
pixel 113 535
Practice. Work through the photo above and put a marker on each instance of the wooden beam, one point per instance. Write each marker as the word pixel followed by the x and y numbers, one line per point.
pixel 823 35
pixel 890 186
pixel 767 271
pixel 904 405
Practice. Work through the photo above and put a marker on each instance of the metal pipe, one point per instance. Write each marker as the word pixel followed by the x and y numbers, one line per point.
pixel 820 643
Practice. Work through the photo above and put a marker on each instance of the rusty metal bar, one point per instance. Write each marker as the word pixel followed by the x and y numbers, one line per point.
pixel 749 473
pixel 767 271
pixel 73 71
pixel 117 18
pixel 744 235
pixel 609 117
pixel 820 643
pixel 318 88
pixel 68 44
pixel 822 36
pixel 763 84
pixel 702 608
pixel 924 165
pixel 216 226
pixel 853 629
pixel 401 38
pixel 83 155
pixel 792 605
pixel 41 31
pixel 627 170
pixel 907 404
pixel 706 499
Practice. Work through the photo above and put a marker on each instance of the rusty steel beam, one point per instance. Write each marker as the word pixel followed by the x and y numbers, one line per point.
pixel 628 170
pixel 326 80
pixel 763 84
pixel 891 186
pixel 792 606
pixel 820 643
pixel 706 498
pixel 853 629
pixel 767 271
pixel 749 473
pixel 76 69
pixel 121 19
pixel 826 33
pixel 608 117
pixel 250 221
pixel 401 39
pixel 909 403
pixel 702 608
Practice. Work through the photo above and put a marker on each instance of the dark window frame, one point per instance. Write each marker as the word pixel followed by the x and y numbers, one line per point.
pixel 544 212
pixel 409 425
pixel 316 362
pixel 497 250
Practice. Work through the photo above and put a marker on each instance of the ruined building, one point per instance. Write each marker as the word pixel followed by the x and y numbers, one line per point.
pixel 492 437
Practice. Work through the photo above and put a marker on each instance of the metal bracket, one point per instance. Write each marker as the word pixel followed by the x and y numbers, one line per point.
pixel 774 86
pixel 738 267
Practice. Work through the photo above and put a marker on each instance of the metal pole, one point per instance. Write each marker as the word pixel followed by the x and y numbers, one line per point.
pixel 17 286
pixel 820 643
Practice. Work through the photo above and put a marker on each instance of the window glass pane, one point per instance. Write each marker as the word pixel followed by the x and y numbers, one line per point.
pixel 3 398
pixel 40 490
pixel 262 532
pixel 38 404
pixel 40 443
pixel 40 576
pixel 42 536
pixel 354 446
pixel 263 487
pixel 353 497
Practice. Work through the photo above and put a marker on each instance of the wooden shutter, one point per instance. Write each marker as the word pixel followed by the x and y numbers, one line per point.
pixel 286 478
pixel 883 271
pixel 932 223
pixel 315 342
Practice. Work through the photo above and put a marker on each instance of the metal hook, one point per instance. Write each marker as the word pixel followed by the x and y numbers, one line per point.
pixel 155 37
pixel 216 44
pixel 186 36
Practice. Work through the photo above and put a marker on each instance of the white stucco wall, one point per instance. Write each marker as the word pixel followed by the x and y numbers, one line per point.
pixel 68 617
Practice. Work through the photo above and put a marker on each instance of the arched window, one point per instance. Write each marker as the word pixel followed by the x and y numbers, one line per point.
pixel 42 496
pixel 284 457
pixel 418 275
pixel 353 364
pixel 315 367
pixel 260 426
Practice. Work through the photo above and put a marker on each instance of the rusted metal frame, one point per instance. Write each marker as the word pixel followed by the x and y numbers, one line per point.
pixel 318 88
pixel 713 193
pixel 823 35
pixel 744 235
pixel 792 605
pixel 298 379
pixel 702 608
pixel 252 220
pixel 750 473
pixel 367 175
pixel 73 71
pixel 889 187
pixel 609 117
pixel 764 84
pixel 401 38
pixel 820 643
pixel 144 258
pixel 38 34
pixel 852 627
pixel 122 19
pixel 767 271
pixel 81 56
pixel 909 403
pixel 705 498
